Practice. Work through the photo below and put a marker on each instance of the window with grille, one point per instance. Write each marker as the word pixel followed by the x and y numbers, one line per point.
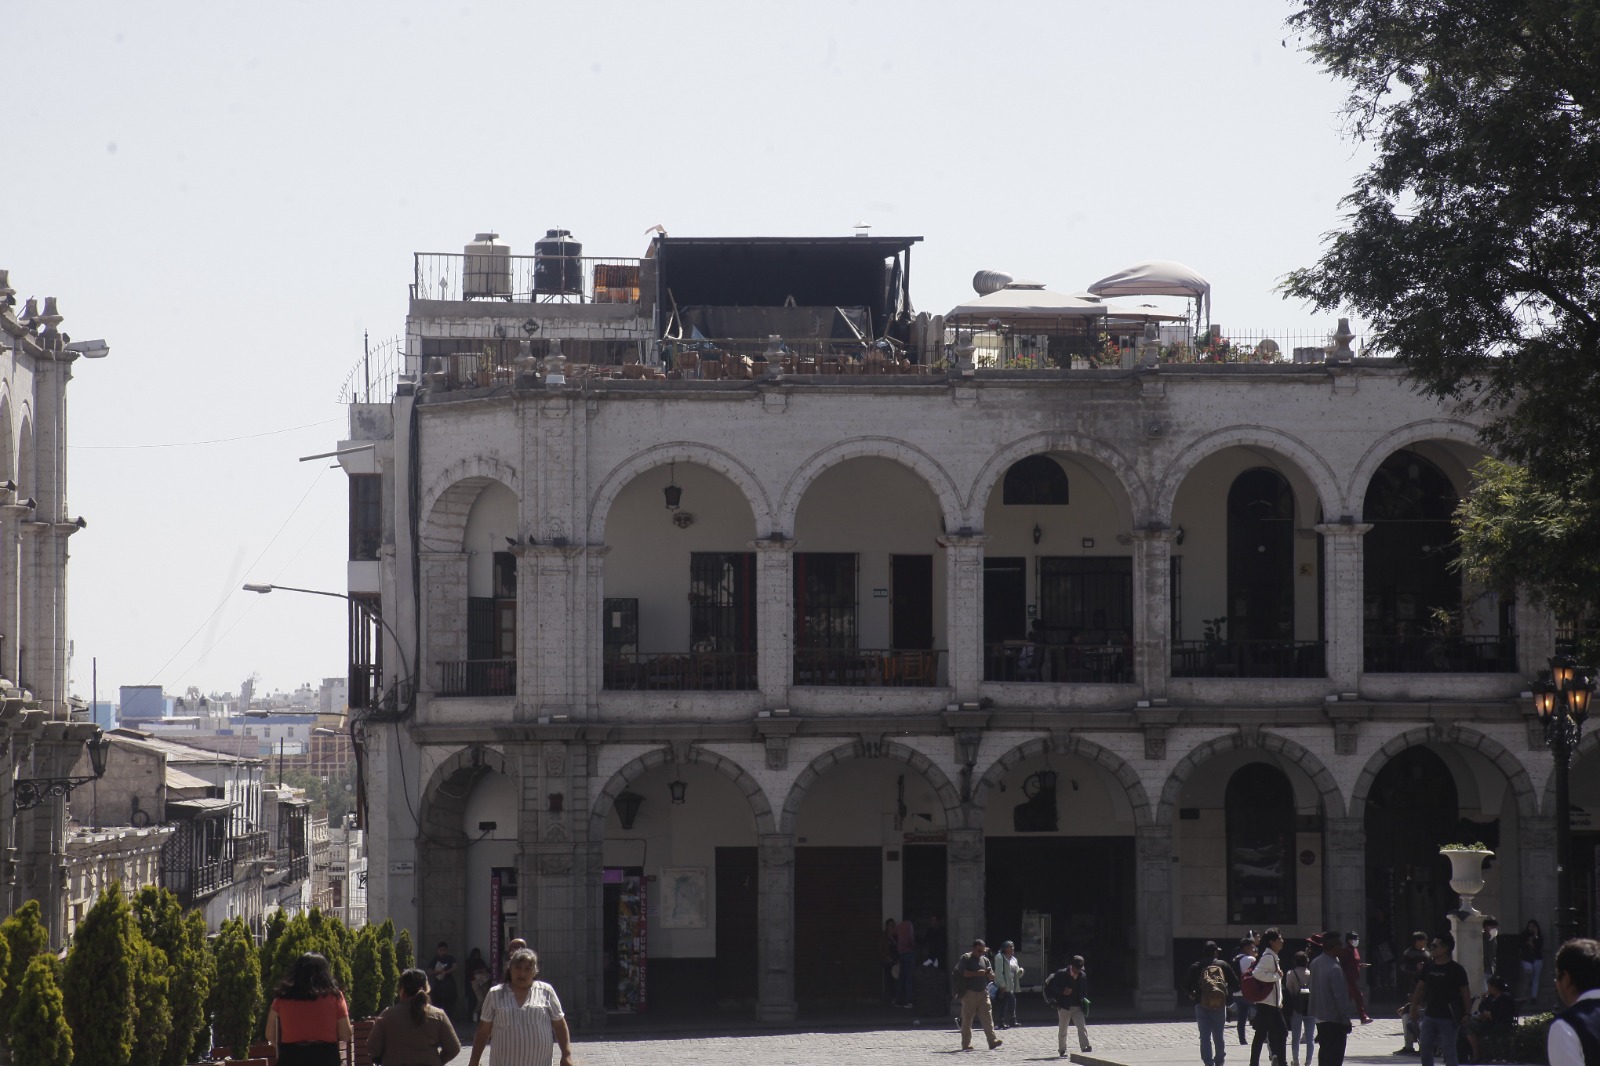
pixel 366 516
pixel 825 599
pixel 1086 594
pixel 1036 480
pixel 722 601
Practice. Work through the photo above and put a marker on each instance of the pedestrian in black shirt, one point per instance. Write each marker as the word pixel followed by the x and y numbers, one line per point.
pixel 1411 964
pixel 1440 1001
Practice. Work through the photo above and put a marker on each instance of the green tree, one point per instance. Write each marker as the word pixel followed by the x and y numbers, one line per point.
pixel 25 937
pixel 236 996
pixel 367 979
pixel 194 926
pixel 99 982
pixel 152 1030
pixel 1472 240
pixel 39 1034
pixel 390 982
pixel 162 922
pixel 405 952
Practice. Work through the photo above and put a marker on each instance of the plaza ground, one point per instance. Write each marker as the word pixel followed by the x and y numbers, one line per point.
pixel 1116 1043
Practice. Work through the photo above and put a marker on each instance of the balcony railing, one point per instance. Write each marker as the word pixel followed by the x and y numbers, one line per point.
pixel 1058 663
pixel 868 667
pixel 478 677
pixel 251 846
pixel 680 671
pixel 1249 658
pixel 525 278
pixel 1427 654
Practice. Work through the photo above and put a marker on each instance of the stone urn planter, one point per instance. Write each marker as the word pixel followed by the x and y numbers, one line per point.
pixel 1466 872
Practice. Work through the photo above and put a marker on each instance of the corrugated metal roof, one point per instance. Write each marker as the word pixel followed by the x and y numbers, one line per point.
pixel 202 807
pixel 179 779
pixel 175 750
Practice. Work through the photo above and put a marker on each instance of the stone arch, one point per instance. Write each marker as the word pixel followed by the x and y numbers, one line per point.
pixel 8 444
pixel 630 772
pixel 678 452
pixel 1452 430
pixel 1295 450
pixel 27 484
pixel 448 501
pixel 1322 779
pixel 1440 733
pixel 1106 759
pixel 444 798
pixel 1121 467
pixel 919 462
pixel 888 749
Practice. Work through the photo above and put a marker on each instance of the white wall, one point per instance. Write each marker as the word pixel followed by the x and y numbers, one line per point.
pixel 492 519
pixel 493 799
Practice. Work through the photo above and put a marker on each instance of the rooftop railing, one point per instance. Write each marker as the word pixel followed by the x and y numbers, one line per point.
pixel 525 278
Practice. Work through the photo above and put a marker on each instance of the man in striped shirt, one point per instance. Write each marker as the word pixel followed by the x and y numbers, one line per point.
pixel 522 1019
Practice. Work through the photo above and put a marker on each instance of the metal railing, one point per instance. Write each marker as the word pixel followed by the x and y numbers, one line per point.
pixel 1429 654
pixel 373 378
pixel 525 278
pixel 1084 664
pixel 711 671
pixel 869 667
pixel 1249 658
pixel 478 677
pixel 251 846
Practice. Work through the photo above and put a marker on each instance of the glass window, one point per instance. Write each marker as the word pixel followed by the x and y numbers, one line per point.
pixel 825 599
pixel 1036 480
pixel 1261 855
pixel 722 601
pixel 366 516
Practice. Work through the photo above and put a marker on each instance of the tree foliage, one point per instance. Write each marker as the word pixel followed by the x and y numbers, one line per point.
pixel 388 969
pixel 236 996
pixel 182 938
pixel 1472 241
pixel 38 1032
pixel 367 976
pixel 25 937
pixel 152 1027
pixel 405 952
pixel 99 983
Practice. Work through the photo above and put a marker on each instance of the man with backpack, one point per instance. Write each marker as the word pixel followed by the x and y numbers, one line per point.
pixel 971 979
pixel 1210 983
pixel 1067 991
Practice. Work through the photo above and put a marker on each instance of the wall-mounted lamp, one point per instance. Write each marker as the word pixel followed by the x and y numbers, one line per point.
pixel 967 743
pixel 1088 542
pixel 627 806
pixel 1177 538
pixel 488 827
pixel 29 792
pixel 1038 534
pixel 672 492
pixel 679 789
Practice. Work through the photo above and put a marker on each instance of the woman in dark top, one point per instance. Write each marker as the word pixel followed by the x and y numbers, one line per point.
pixel 413 1032
pixel 1532 957
pixel 308 1019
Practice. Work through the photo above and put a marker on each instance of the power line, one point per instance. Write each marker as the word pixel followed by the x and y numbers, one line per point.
pixel 198 443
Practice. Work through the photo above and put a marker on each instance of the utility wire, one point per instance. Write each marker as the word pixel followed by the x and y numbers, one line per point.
pixel 198 443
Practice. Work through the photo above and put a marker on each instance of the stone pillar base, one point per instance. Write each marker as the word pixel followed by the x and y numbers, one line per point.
pixel 776 1013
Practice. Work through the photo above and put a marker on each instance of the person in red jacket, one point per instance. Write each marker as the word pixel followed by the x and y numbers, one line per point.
pixel 1350 962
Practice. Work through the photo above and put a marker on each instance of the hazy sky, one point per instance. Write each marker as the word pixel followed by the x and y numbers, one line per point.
pixel 230 195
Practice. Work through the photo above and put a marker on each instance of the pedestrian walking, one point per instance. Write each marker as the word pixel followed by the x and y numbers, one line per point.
pixel 522 1019
pixel 1242 964
pixel 905 935
pixel 1297 1007
pixel 1440 1001
pixel 1330 1001
pixel 890 950
pixel 1532 957
pixel 1350 959
pixel 1067 990
pixel 1211 983
pixel 974 971
pixel 1008 982
pixel 308 1019
pixel 1270 1028
pixel 1574 1038
pixel 413 1032
pixel 1412 962
pixel 442 979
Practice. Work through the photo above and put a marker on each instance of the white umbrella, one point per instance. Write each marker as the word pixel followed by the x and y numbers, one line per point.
pixel 1158 277
pixel 1024 301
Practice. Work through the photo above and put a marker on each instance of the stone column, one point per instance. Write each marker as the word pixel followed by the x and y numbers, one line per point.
pixel 774 619
pixel 444 615
pixel 1152 609
pixel 1152 929
pixel 590 630
pixel 1344 873
pixel 11 518
pixel 1342 582
pixel 963 614
pixel 964 869
pixel 1537 839
pixel 775 1002
pixel 35 627
pixel 548 621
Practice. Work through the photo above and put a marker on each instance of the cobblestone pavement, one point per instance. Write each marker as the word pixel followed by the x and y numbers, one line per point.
pixel 1115 1044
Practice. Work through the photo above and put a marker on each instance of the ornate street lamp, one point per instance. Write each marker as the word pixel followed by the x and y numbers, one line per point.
pixel 1562 700
pixel 29 792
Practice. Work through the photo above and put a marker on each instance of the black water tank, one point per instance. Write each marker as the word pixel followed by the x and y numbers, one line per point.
pixel 557 266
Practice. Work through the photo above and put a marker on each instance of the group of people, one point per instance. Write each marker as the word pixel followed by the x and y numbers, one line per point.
pixel 987 985
pixel 520 1017
pixel 905 947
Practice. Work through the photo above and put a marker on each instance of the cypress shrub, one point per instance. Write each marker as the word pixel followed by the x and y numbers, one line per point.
pixel 366 986
pixel 405 953
pixel 25 937
pixel 236 996
pixel 390 984
pixel 194 926
pixel 163 923
pixel 152 1029
pixel 99 983
pixel 39 1033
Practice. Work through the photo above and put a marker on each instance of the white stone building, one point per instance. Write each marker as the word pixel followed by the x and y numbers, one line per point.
pixel 1154 652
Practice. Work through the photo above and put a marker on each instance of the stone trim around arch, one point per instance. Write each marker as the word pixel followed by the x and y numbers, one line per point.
pixel 947 793
pixel 680 451
pixel 1106 759
pixel 1333 805
pixel 1430 429
pixel 435 800
pixel 1292 449
pixel 1134 491
pixel 448 501
pixel 1516 774
pixel 631 771
pixel 919 462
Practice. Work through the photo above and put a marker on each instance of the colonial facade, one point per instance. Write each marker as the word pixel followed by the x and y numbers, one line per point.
pixel 706 671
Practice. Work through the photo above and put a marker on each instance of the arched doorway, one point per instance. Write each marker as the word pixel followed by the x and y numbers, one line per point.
pixel 1260 826
pixel 1260 556
pixel 1411 810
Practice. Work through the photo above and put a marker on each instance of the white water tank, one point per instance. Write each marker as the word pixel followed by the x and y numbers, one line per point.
pixel 486 269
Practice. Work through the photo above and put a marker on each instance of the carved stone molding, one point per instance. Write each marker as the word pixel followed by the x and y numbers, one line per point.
pixel 777 850
pixel 1345 735
pixel 1155 742
pixel 777 753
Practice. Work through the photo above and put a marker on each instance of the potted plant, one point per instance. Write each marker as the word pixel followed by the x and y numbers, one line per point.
pixel 1466 869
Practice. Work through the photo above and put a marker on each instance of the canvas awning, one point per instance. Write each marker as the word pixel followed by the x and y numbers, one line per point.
pixel 1026 301
pixel 1158 277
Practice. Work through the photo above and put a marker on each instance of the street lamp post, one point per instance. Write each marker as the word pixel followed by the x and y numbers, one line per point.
pixel 399 648
pixel 29 792
pixel 1562 700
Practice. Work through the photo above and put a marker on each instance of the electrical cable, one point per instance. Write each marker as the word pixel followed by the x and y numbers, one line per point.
pixel 197 443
